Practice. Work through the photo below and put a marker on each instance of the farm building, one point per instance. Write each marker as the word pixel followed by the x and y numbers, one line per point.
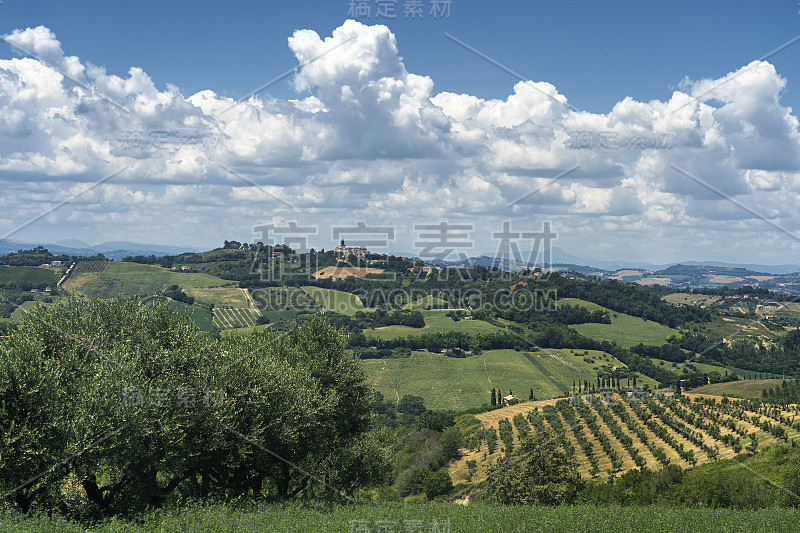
pixel 511 399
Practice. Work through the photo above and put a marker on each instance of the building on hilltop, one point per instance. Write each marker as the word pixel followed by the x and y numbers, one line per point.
pixel 343 251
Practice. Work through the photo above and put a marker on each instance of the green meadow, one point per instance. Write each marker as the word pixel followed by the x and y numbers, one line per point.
pixel 459 383
pixel 624 329
pixel 133 279
pixel 338 301
pixel 433 324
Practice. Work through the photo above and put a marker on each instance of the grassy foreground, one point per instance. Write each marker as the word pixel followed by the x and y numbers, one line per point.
pixel 430 517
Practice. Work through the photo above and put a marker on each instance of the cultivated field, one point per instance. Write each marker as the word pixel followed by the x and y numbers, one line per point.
pixel 750 388
pixel 729 327
pixel 337 272
pixel 338 301
pixel 609 435
pixel 225 318
pixel 133 279
pixel 433 324
pixel 220 297
pixel 88 267
pixel 624 329
pixel 33 276
pixel 282 299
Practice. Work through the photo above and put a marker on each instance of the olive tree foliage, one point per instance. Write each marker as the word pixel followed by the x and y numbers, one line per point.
pixel 539 473
pixel 138 406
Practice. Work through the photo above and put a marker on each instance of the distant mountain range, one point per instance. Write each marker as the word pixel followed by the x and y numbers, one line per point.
pixel 112 250
pixel 559 258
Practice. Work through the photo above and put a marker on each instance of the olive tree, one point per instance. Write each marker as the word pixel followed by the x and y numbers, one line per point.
pixel 137 405
pixel 539 473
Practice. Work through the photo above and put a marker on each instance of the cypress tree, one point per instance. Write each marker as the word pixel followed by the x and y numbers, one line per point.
pixel 494 399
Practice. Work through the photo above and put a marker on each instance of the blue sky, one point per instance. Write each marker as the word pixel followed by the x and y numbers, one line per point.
pixel 453 137
pixel 595 52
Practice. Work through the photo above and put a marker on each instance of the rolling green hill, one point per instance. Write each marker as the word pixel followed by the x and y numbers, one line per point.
pixel 134 279
pixel 338 301
pixel 433 324
pixel 459 383
pixel 624 329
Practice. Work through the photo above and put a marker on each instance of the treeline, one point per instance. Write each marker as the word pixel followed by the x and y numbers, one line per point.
pixel 764 294
pixel 378 318
pixel 41 256
pixel 628 298
pixel 35 257
pixel 438 342
pixel 668 352
pixel 10 301
pixel 176 293
pixel 563 314
pixel 784 394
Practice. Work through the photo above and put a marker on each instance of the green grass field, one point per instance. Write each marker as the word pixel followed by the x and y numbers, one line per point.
pixel 433 324
pixel 219 296
pixel 750 388
pixel 430 517
pixel 35 276
pixel 133 279
pixel 624 329
pixel 200 315
pixel 338 301
pixel 426 302
pixel 452 383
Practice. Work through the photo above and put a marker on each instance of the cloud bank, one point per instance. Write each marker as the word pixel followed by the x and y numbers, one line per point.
pixel 367 140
